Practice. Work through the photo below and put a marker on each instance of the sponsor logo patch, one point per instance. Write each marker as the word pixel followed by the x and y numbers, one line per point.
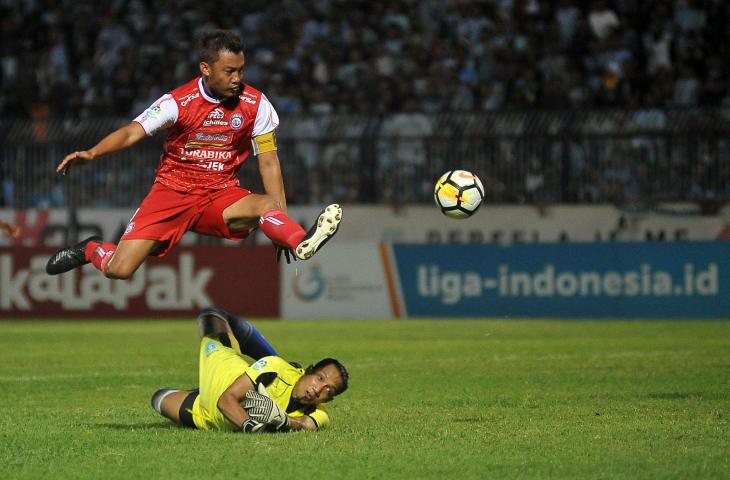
pixel 188 98
pixel 154 112
pixel 211 137
pixel 206 154
pixel 210 347
pixel 207 139
pixel 216 118
pixel 259 365
pixel 216 114
pixel 219 123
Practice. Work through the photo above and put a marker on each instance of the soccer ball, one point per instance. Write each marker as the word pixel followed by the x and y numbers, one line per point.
pixel 458 193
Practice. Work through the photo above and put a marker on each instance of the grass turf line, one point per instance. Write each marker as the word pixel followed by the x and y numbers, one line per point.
pixel 428 399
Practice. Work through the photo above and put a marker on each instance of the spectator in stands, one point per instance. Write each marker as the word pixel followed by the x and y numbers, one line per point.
pixel 340 51
pixel 371 58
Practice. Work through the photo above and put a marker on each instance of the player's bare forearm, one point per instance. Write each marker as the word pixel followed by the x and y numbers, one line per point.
pixel 119 140
pixel 304 422
pixel 231 408
pixel 116 141
pixel 229 403
pixel 270 170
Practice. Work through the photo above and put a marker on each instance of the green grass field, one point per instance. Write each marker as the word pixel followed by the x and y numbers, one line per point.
pixel 427 400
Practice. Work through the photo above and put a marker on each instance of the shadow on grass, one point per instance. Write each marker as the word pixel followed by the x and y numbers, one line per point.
pixel 137 426
pixel 675 395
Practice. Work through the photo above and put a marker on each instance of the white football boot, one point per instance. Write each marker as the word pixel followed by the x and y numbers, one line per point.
pixel 324 228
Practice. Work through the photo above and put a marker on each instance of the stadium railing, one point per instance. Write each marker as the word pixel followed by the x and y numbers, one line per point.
pixel 533 157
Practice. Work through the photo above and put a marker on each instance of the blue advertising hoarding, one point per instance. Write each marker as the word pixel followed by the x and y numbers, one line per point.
pixel 660 280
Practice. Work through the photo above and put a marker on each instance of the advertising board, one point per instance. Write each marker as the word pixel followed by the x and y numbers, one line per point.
pixel 627 279
pixel 242 280
pixel 344 280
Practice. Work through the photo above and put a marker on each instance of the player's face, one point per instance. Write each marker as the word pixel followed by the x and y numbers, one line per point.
pixel 224 77
pixel 317 387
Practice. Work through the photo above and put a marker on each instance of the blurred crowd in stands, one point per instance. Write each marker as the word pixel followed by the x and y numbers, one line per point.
pixel 370 90
pixel 81 58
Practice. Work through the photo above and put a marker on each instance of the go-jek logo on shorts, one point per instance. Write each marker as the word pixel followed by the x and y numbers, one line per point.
pixel 310 285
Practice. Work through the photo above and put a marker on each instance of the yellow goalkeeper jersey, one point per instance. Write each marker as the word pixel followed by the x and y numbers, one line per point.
pixel 220 366
pixel 279 377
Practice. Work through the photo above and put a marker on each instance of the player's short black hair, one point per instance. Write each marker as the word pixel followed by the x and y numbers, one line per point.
pixel 214 41
pixel 340 368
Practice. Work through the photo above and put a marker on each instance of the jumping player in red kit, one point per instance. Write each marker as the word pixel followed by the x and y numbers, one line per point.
pixel 213 123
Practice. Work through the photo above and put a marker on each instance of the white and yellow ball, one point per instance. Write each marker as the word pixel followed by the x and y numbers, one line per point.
pixel 458 194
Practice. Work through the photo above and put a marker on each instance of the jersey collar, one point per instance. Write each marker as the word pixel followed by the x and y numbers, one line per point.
pixel 204 92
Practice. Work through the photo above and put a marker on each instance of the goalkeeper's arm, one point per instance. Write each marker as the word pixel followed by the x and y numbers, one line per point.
pixel 229 404
pixel 262 408
pixel 305 422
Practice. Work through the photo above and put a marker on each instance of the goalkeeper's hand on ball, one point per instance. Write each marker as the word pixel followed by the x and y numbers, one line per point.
pixel 261 408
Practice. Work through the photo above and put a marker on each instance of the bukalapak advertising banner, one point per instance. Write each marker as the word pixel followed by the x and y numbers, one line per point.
pixel 243 280
pixel 640 280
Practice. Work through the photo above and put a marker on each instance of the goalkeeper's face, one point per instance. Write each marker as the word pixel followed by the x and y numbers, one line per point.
pixel 224 77
pixel 318 386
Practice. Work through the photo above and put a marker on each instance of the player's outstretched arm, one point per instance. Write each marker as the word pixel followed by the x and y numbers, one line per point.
pixel 116 141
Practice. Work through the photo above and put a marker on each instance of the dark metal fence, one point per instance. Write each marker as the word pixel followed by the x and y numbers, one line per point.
pixel 621 157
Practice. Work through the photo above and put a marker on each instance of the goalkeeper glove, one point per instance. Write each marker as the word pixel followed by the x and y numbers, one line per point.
pixel 261 408
pixel 252 426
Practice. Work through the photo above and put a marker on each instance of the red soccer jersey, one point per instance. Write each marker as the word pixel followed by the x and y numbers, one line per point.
pixel 207 142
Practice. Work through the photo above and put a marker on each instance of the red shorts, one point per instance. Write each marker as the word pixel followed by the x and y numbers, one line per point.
pixel 166 215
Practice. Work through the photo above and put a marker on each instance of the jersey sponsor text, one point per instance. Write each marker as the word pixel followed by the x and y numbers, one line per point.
pixel 207 154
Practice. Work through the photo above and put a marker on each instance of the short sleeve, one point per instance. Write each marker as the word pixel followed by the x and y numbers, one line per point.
pixel 263 366
pixel 321 417
pixel 163 113
pixel 266 118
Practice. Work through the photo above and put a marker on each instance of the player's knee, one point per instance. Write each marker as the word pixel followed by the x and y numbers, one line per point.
pixel 117 274
pixel 167 402
pixel 157 398
pixel 160 401
pixel 119 270
pixel 211 325
pixel 268 203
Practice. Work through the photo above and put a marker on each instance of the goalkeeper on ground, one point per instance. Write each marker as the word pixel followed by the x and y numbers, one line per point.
pixel 270 394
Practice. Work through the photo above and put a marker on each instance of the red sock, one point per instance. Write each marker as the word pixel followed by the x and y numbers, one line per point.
pixel 281 229
pixel 99 254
